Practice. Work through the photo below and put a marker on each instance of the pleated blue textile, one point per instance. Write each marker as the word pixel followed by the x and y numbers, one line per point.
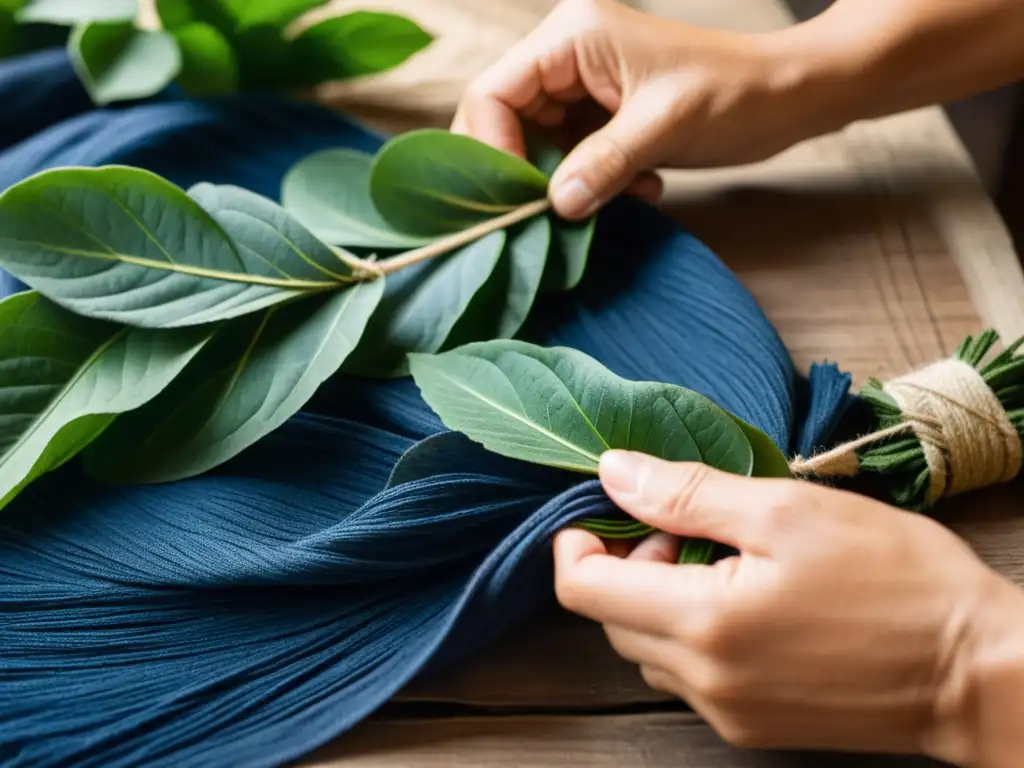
pixel 249 615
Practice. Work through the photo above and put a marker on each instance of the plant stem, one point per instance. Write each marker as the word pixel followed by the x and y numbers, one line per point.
pixel 455 240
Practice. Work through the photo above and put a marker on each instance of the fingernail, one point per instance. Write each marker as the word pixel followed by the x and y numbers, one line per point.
pixel 622 472
pixel 574 198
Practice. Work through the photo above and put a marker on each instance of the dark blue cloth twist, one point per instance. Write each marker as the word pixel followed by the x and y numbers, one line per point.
pixel 249 615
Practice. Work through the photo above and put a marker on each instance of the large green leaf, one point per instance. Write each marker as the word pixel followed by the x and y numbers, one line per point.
pixel 276 13
pixel 329 192
pixel 208 62
pixel 256 373
pixel 77 11
pixel 433 182
pixel 356 44
pixel 123 244
pixel 117 61
pixel 421 306
pixel 63 379
pixel 571 240
pixel 263 230
pixel 559 407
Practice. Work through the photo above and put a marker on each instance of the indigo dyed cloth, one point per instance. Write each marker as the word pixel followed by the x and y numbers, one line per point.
pixel 249 615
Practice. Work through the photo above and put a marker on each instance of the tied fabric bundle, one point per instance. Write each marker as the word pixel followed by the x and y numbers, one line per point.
pixel 249 615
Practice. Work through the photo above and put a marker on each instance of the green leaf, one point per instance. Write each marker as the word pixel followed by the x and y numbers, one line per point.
pixel 356 44
pixel 421 306
pixel 276 13
pixel 267 61
pixel 265 232
pixel 696 552
pixel 329 192
pixel 559 407
pixel 175 13
pixel 208 62
pixel 78 11
pixel 115 61
pixel 123 244
pixel 500 307
pixel 256 373
pixel 8 28
pixel 433 182
pixel 178 13
pixel 570 248
pixel 527 253
pixel 769 461
pixel 571 240
pixel 63 379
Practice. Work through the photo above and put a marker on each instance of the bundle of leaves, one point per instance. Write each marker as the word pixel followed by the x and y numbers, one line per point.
pixel 208 46
pixel 167 330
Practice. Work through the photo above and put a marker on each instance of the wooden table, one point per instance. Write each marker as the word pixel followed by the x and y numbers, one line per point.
pixel 877 248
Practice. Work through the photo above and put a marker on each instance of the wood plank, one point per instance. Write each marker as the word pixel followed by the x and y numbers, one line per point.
pixel 557 660
pixel 679 740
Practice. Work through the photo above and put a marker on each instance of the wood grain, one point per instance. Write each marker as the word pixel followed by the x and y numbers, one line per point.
pixel 679 740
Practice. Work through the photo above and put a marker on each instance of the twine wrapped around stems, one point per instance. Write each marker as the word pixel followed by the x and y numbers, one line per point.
pixel 948 428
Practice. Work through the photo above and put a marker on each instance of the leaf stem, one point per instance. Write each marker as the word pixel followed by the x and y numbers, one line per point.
pixel 455 240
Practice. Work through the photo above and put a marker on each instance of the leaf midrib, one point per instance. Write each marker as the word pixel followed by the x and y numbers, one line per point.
pixel 533 425
pixel 203 272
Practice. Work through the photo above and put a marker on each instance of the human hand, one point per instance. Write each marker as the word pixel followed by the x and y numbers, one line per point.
pixel 841 624
pixel 677 96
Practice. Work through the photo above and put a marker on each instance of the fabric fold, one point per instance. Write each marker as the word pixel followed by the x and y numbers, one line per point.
pixel 249 615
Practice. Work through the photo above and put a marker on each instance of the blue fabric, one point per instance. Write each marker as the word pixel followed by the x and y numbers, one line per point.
pixel 249 615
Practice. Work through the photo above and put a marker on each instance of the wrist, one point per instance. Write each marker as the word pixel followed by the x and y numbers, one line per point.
pixel 979 709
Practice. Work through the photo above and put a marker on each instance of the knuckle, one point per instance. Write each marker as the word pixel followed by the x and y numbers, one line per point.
pixel 655 679
pixel 478 89
pixel 738 734
pixel 779 505
pixel 713 633
pixel 681 502
pixel 722 688
pixel 610 155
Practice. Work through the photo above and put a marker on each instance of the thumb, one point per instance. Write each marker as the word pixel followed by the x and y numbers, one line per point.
pixel 691 499
pixel 607 161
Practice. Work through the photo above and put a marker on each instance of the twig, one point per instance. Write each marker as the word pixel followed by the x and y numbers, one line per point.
pixel 458 239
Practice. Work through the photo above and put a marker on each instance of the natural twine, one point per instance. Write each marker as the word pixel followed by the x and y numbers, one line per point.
pixel 967 437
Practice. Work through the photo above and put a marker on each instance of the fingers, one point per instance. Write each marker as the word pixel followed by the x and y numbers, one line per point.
pixel 695 500
pixel 608 160
pixel 534 81
pixel 644 592
pixel 642 648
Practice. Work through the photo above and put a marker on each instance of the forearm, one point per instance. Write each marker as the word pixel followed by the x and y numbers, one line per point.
pixel 864 58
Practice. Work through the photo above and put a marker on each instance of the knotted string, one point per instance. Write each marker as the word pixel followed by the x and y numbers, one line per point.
pixel 968 439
